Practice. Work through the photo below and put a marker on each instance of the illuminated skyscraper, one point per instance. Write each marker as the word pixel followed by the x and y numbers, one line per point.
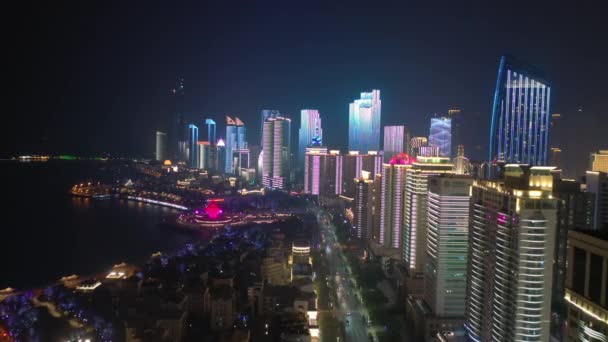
pixel 315 163
pixel 179 129
pixel 235 139
pixel 211 131
pixel 193 145
pixel 414 216
pixel 462 165
pixel 276 143
pixel 363 208
pixel 598 161
pixel 161 146
pixel 240 160
pixel 352 166
pixel 204 149
pixel 391 201
pixel 510 262
pixel 265 115
pixel 429 151
pixel 597 185
pixel 519 130
pixel 364 123
pixel 416 143
pixel 441 135
pixel 455 116
pixel 220 156
pixel 310 129
pixel 446 260
pixel 396 140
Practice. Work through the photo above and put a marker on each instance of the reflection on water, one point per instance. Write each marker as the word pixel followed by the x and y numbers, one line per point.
pixel 49 234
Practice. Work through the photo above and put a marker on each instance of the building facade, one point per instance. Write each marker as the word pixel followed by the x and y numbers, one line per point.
pixel 235 139
pixel 440 135
pixel 211 131
pixel 598 161
pixel 192 151
pixel 276 145
pixel 519 131
pixel 455 116
pixel 512 236
pixel 363 208
pixel 315 164
pixel 415 144
pixel 364 123
pixel 597 186
pixel 396 140
pixel 161 146
pixel 310 133
pixel 587 284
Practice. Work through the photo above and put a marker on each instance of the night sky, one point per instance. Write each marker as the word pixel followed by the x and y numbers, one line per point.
pixel 96 79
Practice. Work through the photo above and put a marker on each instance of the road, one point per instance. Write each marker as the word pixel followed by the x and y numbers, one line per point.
pixel 349 308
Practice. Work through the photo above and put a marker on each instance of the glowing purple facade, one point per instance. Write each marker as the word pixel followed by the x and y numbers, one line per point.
pixel 396 140
pixel 310 130
pixel 364 123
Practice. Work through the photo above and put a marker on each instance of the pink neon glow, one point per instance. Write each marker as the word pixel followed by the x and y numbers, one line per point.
pixel 213 211
pixel 402 159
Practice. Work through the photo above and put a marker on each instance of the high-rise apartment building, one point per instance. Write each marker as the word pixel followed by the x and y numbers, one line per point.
pixel 415 210
pixel 396 140
pixel 276 144
pixel 192 151
pixel 519 131
pixel 443 305
pixel 266 114
pixel 512 236
pixel 587 286
pixel 315 173
pixel 441 135
pixel 598 161
pixel 352 166
pixel 392 194
pixel 310 133
pixel 364 123
pixel 161 146
pixel 363 209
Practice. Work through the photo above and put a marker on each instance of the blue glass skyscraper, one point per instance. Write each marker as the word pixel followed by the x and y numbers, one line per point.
pixel 519 131
pixel 211 137
pixel 193 145
pixel 235 139
pixel 364 123
pixel 441 135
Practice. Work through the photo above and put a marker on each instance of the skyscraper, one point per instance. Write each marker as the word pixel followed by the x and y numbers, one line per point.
pixel 597 186
pixel 265 115
pixel 193 145
pixel 555 145
pixel 391 201
pixel 519 131
pixel 510 261
pixel 211 131
pixel 353 164
pixel 598 161
pixel 414 217
pixel 396 140
pixel 315 163
pixel 204 148
pixel 235 139
pixel 441 135
pixel 161 146
pixel 179 129
pixel 462 165
pixel 310 128
pixel 364 123
pixel 276 144
pixel 455 116
pixel 363 208
pixel 446 261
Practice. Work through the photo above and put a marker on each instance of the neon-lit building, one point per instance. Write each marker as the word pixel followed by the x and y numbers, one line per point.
pixel 414 214
pixel 204 150
pixel 353 164
pixel 220 155
pixel 315 164
pixel 396 140
pixel 211 131
pixel 334 168
pixel 193 145
pixel 364 123
pixel 441 135
pixel 512 236
pixel 276 145
pixel 462 165
pixel 363 209
pixel 240 160
pixel 429 151
pixel 161 146
pixel 391 202
pixel 266 114
pixel 235 139
pixel 415 144
pixel 587 289
pixel 519 131
pixel 310 132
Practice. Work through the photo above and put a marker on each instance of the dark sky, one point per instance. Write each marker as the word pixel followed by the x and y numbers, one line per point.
pixel 95 79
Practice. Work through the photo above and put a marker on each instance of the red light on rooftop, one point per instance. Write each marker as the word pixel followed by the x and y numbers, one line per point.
pixel 402 159
pixel 213 211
